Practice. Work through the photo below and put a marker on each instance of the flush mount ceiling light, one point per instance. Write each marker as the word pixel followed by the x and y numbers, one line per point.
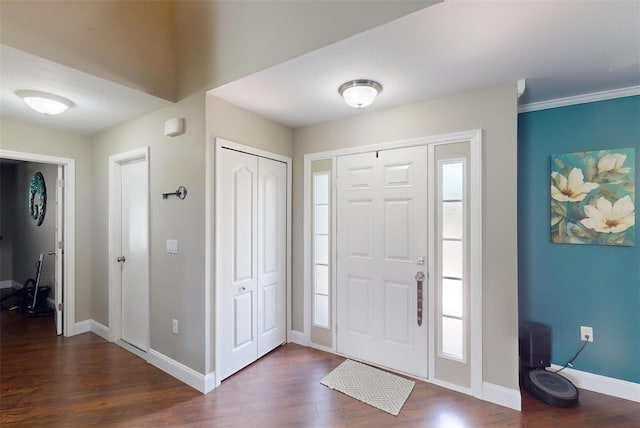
pixel 360 93
pixel 43 102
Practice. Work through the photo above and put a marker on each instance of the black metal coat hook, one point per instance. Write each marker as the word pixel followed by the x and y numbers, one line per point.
pixel 180 193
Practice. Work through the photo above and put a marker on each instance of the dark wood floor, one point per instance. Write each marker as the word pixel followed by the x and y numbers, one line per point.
pixel 85 381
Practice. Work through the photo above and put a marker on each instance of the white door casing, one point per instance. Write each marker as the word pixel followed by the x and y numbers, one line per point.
pixel 68 270
pixel 59 253
pixel 381 233
pixel 252 258
pixel 129 298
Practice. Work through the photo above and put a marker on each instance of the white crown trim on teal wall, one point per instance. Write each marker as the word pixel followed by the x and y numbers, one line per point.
pixel 502 396
pixel 196 380
pixel 580 99
pixel 92 326
pixel 602 384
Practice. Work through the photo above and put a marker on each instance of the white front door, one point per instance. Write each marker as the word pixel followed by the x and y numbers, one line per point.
pixel 135 283
pixel 381 241
pixel 252 207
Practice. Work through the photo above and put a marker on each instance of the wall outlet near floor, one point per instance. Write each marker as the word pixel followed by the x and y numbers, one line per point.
pixel 175 327
pixel 586 331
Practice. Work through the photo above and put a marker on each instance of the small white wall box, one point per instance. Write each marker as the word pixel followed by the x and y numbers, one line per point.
pixel 174 126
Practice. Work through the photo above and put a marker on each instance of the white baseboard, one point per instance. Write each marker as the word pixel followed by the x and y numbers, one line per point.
pixel 92 326
pixel 321 348
pixel 298 337
pixel 185 374
pixel 601 384
pixel 502 396
pixel 10 283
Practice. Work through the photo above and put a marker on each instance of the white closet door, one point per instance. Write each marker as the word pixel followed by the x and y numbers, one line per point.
pixel 272 254
pixel 239 267
pixel 382 232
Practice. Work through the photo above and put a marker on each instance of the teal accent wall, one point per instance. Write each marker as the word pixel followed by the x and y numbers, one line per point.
pixel 565 285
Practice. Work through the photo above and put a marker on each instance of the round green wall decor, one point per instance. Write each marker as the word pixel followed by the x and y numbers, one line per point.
pixel 37 198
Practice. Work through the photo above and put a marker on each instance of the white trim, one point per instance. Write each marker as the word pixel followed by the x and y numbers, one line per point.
pixel 10 283
pixel 304 337
pixel 580 99
pixel 214 146
pixel 129 347
pixel 476 246
pixel 502 396
pixel 209 254
pixel 69 232
pixel 321 348
pixel 185 374
pixel 602 384
pixel 298 337
pixel 116 162
pixel 448 385
pixel 92 326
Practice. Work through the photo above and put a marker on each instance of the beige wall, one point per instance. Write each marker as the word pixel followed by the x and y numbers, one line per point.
pixel 221 41
pixel 128 42
pixel 494 110
pixel 22 137
pixel 176 280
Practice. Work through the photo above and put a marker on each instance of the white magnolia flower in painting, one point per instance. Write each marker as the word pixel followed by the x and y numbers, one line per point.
pixel 573 188
pixel 613 162
pixel 608 218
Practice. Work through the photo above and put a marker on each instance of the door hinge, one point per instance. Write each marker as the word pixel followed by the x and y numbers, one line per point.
pixel 61 306
pixel 61 245
pixel 61 183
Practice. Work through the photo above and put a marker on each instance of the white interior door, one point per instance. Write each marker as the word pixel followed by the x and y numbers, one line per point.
pixel 238 208
pixel 381 238
pixel 59 253
pixel 134 268
pixel 272 254
pixel 252 210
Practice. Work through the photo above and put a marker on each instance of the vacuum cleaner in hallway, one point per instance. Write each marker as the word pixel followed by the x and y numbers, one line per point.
pixel 535 357
pixel 32 297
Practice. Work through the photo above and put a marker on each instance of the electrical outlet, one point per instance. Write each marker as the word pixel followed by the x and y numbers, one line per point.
pixel 175 327
pixel 586 331
pixel 172 246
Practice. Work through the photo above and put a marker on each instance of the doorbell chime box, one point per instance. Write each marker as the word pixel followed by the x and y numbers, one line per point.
pixel 174 126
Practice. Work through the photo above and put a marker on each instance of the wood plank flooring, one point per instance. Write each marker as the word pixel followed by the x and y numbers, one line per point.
pixel 84 381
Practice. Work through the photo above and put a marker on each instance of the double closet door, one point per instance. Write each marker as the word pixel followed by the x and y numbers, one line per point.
pixel 253 259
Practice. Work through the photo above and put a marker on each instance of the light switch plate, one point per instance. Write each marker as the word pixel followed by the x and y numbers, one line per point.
pixel 172 246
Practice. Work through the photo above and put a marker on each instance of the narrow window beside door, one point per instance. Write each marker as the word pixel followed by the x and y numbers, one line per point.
pixel 452 249
pixel 321 266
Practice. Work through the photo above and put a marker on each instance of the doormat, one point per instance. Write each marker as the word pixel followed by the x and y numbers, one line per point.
pixel 374 387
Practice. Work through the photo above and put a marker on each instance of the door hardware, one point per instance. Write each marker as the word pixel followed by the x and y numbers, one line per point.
pixel 419 282
pixel 121 259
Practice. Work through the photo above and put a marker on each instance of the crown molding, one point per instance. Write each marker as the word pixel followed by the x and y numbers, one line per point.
pixel 580 99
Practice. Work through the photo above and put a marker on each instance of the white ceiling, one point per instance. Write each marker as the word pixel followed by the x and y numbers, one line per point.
pixel 99 104
pixel 561 48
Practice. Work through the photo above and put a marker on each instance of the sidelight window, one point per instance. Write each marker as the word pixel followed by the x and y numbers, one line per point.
pixel 452 226
pixel 321 266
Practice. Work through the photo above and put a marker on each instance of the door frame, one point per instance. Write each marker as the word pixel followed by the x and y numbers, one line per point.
pixel 68 232
pixel 213 246
pixel 114 237
pixel 474 137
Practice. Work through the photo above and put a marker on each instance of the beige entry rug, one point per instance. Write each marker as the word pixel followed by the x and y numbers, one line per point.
pixel 374 387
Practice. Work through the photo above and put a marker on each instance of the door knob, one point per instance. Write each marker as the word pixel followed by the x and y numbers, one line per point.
pixel 121 259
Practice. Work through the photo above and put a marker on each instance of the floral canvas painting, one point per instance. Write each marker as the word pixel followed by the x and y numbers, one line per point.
pixel 593 197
